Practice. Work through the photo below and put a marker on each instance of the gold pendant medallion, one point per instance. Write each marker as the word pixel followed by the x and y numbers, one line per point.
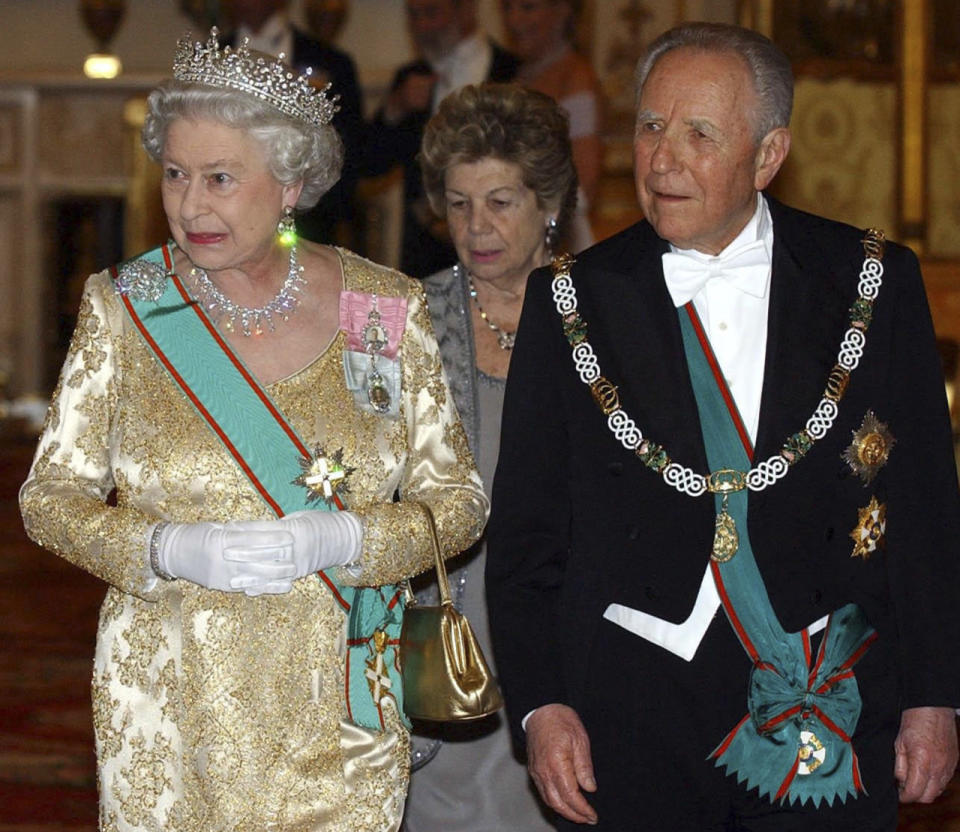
pixel 810 754
pixel 726 541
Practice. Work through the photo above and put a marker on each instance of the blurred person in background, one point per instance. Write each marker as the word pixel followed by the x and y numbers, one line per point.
pixel 453 52
pixel 267 26
pixel 541 34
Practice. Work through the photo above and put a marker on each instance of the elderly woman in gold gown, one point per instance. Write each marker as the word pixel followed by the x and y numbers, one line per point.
pixel 227 388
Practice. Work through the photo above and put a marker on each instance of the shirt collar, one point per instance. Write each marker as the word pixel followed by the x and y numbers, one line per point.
pixel 273 38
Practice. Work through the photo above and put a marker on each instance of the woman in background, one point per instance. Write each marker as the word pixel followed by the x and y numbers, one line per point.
pixel 497 166
pixel 540 34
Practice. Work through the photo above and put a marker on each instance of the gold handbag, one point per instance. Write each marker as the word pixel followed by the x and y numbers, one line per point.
pixel 445 676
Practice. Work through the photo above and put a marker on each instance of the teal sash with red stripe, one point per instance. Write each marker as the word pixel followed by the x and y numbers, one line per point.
pixel 794 743
pixel 268 451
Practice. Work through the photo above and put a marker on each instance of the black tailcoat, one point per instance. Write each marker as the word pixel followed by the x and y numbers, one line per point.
pixel 578 522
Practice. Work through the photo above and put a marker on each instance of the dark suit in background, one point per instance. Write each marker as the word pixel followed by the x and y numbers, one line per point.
pixel 389 145
pixel 336 207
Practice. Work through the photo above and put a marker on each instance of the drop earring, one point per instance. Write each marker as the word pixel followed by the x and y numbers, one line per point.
pixel 551 236
pixel 286 228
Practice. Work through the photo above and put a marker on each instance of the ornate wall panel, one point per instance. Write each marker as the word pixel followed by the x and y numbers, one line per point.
pixel 943 169
pixel 842 163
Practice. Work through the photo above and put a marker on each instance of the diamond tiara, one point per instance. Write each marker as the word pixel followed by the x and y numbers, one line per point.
pixel 268 78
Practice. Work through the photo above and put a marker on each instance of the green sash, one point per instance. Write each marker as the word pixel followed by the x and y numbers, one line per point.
pixel 268 451
pixel 794 742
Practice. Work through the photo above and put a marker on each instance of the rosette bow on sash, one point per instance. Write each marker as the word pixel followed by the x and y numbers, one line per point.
pixel 794 743
pixel 265 446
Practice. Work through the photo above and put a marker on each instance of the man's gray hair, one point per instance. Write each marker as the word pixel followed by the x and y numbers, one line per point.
pixel 769 67
pixel 294 150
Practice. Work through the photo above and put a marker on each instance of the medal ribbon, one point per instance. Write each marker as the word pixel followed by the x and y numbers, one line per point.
pixel 794 742
pixel 267 449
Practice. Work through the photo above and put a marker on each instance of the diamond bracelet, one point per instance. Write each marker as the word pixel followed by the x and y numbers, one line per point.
pixel 155 553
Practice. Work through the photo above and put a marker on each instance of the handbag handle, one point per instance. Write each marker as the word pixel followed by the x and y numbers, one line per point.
pixel 443 583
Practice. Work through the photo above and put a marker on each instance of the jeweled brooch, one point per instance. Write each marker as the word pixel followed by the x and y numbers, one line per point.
pixel 870 532
pixel 870 448
pixel 324 476
pixel 142 280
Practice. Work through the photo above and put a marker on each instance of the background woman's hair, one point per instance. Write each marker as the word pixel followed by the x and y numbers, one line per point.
pixel 507 122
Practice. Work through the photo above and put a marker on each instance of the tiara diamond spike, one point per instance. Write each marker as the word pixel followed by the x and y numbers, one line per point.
pixel 261 75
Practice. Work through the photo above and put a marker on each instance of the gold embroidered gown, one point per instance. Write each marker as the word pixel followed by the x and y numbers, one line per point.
pixel 212 710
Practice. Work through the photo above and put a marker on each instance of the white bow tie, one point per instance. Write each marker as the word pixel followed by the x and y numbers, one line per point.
pixel 747 268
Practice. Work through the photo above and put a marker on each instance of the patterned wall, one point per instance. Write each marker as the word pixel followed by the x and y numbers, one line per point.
pixel 842 162
pixel 943 171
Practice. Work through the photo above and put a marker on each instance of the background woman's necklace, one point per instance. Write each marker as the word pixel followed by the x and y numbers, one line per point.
pixel 504 339
pixel 251 320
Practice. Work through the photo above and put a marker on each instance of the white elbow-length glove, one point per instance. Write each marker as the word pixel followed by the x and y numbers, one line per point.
pixel 259 556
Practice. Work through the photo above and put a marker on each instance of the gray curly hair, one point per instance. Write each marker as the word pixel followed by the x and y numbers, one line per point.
pixel 295 151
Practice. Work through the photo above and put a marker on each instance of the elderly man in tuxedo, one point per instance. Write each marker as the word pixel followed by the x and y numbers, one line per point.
pixel 723 576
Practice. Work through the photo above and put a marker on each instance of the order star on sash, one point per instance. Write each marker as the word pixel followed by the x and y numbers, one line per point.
pixel 324 476
pixel 376 673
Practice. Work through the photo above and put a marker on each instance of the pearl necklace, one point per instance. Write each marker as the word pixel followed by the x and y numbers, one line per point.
pixel 505 339
pixel 252 320
pixel 725 481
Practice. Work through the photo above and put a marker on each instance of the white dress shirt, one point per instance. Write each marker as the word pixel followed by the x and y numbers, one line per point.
pixel 468 63
pixel 274 37
pixel 731 294
pixel 735 319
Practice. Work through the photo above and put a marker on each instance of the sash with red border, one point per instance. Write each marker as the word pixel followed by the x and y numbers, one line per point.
pixel 794 744
pixel 268 450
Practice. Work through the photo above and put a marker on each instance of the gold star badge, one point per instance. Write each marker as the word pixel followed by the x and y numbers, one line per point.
pixel 870 448
pixel 324 476
pixel 870 532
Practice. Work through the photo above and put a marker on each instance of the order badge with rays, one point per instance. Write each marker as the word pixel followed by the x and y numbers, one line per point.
pixel 324 476
pixel 870 531
pixel 870 448
pixel 810 753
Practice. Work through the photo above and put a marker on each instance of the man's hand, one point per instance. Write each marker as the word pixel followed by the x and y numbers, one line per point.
pixel 413 94
pixel 926 753
pixel 558 757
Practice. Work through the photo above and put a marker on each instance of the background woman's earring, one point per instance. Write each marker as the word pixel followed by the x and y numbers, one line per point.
pixel 552 235
pixel 286 228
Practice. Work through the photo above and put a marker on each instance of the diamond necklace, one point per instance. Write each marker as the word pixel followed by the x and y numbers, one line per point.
pixel 251 320
pixel 505 339
pixel 724 481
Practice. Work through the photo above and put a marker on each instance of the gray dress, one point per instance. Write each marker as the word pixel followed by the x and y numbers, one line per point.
pixel 467 777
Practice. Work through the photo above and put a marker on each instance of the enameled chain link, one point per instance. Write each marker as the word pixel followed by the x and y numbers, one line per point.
pixel 769 471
